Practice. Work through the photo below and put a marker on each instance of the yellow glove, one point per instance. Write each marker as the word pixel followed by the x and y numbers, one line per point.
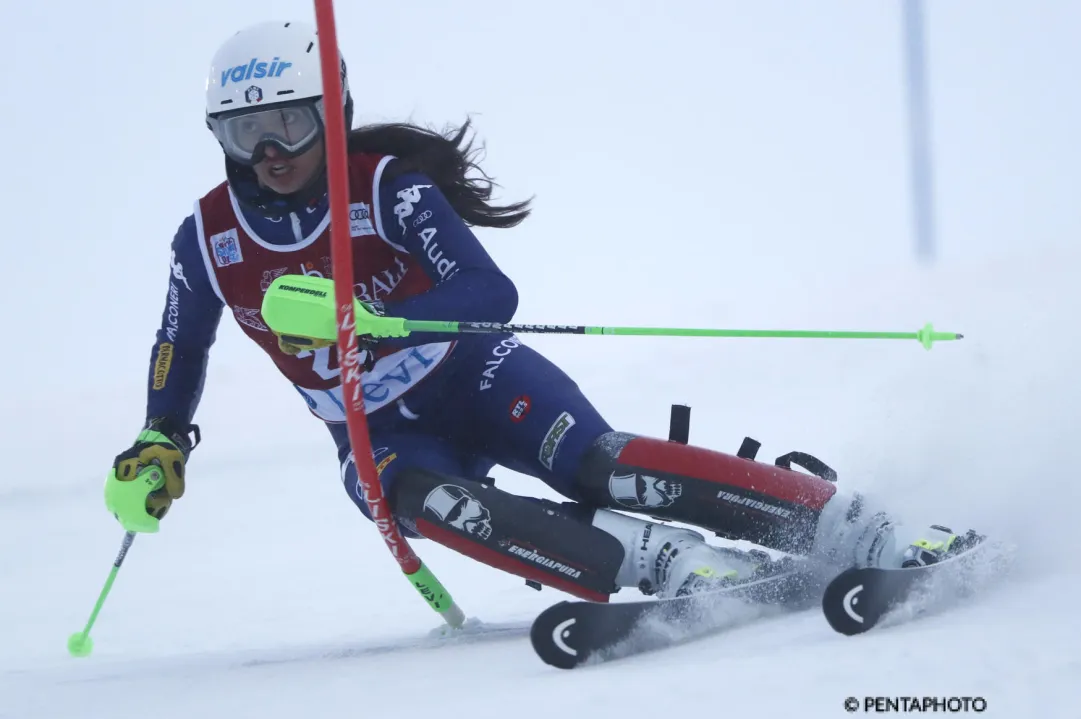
pixel 160 443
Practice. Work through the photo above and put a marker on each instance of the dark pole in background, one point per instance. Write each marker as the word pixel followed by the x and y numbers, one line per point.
pixel 919 122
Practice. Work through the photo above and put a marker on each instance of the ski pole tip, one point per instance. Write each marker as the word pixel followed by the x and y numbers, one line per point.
pixel 454 616
pixel 80 644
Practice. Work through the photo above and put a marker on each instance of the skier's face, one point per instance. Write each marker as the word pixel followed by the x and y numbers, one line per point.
pixel 286 175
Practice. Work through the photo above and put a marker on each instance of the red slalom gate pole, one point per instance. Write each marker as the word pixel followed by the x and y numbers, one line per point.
pixel 333 71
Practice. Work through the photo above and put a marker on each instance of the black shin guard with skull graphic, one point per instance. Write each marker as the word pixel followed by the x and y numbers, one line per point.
pixel 454 505
pixel 734 497
pixel 538 540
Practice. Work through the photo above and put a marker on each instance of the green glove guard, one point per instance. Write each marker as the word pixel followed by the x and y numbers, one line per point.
pixel 303 306
pixel 127 500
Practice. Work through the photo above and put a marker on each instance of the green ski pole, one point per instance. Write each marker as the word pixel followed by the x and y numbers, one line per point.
pixel 302 306
pixel 927 336
pixel 80 644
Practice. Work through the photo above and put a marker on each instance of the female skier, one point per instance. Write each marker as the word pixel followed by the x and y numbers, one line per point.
pixel 443 410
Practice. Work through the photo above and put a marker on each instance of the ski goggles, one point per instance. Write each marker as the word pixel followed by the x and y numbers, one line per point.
pixel 292 128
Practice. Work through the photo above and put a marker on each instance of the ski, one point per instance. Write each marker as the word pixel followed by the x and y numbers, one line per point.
pixel 856 600
pixel 572 633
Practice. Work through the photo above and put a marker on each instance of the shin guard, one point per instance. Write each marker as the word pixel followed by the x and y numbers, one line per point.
pixel 734 497
pixel 542 542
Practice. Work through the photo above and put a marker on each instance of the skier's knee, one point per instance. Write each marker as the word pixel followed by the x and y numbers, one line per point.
pixel 607 475
pixel 384 507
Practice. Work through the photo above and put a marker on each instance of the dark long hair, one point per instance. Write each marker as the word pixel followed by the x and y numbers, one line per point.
pixel 446 158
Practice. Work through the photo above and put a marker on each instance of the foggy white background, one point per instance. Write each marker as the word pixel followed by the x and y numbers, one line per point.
pixel 693 164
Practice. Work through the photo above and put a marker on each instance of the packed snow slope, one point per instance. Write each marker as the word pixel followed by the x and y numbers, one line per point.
pixel 711 165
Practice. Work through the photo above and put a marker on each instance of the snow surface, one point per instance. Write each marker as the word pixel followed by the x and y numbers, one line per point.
pixel 781 202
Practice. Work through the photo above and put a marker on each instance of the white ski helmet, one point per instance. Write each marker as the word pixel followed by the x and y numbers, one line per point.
pixel 265 86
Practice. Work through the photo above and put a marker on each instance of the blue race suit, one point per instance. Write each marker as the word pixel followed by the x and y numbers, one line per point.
pixel 470 403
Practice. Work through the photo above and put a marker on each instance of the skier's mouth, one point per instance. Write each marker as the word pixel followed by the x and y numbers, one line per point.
pixel 280 170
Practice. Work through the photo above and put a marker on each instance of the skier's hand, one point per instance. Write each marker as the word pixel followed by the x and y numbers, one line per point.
pixel 292 344
pixel 164 445
pixel 295 344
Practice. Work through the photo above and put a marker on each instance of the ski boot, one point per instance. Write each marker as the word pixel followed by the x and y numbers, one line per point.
pixel 849 534
pixel 676 562
pixel 900 546
pixel 697 567
pixel 937 544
